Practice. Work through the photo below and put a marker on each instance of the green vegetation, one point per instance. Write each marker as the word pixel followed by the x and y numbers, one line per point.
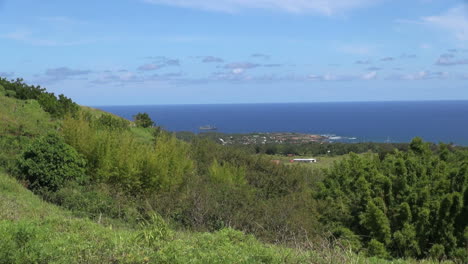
pixel 32 231
pixel 20 121
pixel 410 204
pixel 328 149
pixel 143 120
pixel 56 107
pixel 323 162
pixel 48 163
pixel 106 191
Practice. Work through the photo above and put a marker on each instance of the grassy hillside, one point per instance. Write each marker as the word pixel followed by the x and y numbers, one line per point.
pixel 23 117
pixel 20 120
pixel 33 231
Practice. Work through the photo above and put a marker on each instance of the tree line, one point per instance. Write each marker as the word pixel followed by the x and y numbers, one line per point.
pixel 56 106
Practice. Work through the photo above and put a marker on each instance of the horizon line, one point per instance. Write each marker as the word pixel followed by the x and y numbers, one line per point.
pixel 266 103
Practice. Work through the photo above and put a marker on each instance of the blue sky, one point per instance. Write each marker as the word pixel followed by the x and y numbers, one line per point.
pixel 130 52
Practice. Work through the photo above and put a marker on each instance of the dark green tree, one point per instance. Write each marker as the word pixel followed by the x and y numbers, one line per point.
pixel 143 120
pixel 48 163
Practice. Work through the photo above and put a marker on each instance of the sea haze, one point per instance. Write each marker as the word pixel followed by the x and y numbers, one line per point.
pixel 436 121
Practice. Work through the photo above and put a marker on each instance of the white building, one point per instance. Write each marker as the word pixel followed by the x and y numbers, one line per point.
pixel 305 160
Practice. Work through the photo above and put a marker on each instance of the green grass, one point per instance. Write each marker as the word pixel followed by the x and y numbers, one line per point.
pixel 23 118
pixel 33 231
pixel 95 113
pixel 143 134
pixel 20 120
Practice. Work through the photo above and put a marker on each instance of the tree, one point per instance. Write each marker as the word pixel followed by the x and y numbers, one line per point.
pixel 376 248
pixel 48 163
pixel 374 220
pixel 143 120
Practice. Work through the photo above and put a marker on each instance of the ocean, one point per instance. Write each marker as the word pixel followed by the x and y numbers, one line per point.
pixel 435 121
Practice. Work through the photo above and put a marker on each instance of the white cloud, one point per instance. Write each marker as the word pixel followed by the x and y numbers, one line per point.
pixel 211 59
pixel 149 67
pixel 260 56
pixel 64 72
pixel 159 63
pixel 369 76
pixel 421 75
pixel 455 21
pixel 425 46
pixel 117 78
pixel 243 65
pixel 329 77
pixel 325 7
pixel 238 70
pixel 364 62
pixel 450 60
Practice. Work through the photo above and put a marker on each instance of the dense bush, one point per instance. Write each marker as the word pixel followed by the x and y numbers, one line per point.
pixel 100 202
pixel 48 162
pixel 411 204
pixel 143 120
pixel 111 122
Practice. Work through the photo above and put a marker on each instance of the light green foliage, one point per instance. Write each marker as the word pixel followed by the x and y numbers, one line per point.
pixel 119 157
pixel 227 173
pixel 111 122
pixel 10 93
pixel 48 163
pixel 23 118
pixel 166 164
pixel 154 232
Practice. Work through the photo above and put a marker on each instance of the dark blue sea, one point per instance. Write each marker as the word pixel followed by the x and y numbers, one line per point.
pixel 436 121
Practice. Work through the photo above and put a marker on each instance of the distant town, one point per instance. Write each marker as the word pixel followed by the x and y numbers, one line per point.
pixel 264 138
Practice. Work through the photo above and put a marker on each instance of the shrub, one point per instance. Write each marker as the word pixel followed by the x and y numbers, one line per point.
pixel 377 249
pixel 143 120
pixel 154 231
pixel 437 252
pixel 460 255
pixel 48 162
pixel 10 93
